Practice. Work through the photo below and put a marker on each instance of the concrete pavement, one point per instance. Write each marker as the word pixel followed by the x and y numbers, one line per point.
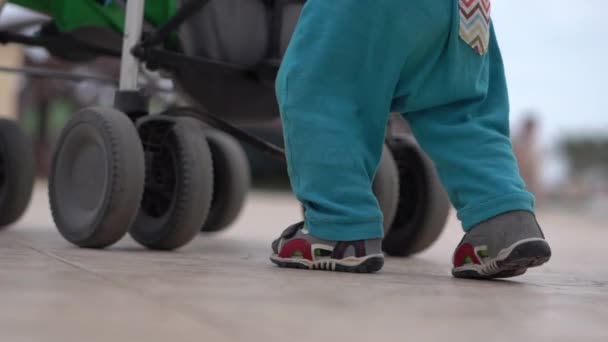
pixel 223 288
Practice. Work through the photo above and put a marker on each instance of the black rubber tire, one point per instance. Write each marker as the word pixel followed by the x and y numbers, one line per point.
pixel 97 177
pixel 179 182
pixel 386 187
pixel 423 206
pixel 231 180
pixel 17 172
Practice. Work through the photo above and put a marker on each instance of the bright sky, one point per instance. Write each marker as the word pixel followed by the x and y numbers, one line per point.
pixel 556 58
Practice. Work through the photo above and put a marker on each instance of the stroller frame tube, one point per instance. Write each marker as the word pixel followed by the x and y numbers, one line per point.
pixel 129 98
pixel 129 66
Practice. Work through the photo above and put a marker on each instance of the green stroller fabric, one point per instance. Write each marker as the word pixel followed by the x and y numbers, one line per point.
pixel 70 15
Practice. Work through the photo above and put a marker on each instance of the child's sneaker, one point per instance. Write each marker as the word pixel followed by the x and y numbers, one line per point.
pixel 296 248
pixel 501 247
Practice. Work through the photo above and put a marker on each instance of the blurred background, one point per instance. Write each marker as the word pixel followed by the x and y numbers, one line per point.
pixel 555 58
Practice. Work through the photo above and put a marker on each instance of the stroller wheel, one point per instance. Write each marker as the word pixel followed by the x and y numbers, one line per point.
pixel 97 178
pixel 423 204
pixel 386 187
pixel 16 172
pixel 231 180
pixel 179 182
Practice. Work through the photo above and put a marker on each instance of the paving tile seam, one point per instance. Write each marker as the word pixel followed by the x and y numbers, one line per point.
pixel 209 317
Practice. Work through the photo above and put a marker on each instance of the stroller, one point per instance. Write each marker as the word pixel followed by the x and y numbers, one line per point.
pixel 164 177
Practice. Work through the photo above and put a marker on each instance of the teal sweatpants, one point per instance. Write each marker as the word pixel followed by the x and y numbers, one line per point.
pixel 352 62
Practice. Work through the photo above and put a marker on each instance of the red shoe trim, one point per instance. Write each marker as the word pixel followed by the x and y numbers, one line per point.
pixel 462 252
pixel 296 245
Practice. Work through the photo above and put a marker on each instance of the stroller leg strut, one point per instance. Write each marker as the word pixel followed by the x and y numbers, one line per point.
pixel 128 98
pixel 133 27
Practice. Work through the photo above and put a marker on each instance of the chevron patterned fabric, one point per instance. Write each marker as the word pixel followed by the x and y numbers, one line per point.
pixel 475 24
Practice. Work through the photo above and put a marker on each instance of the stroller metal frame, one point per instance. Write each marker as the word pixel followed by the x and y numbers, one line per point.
pixel 137 49
pixel 129 69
